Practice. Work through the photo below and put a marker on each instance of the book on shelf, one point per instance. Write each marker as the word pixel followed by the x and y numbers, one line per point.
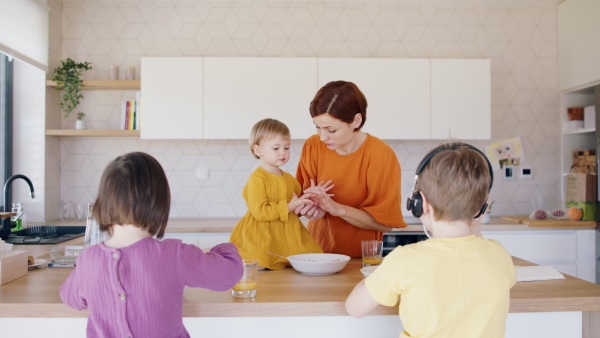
pixel 130 114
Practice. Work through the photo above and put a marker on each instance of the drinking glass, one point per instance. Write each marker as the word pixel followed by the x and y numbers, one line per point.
pixel 79 209
pixel 65 210
pixel 93 235
pixel 246 287
pixel 372 253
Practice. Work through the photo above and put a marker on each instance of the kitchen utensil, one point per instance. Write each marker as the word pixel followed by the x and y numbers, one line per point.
pixel 276 255
pixel 318 264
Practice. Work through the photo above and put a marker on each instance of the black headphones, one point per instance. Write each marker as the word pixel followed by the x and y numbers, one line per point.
pixel 415 203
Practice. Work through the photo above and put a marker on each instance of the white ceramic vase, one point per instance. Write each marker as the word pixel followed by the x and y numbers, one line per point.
pixel 80 124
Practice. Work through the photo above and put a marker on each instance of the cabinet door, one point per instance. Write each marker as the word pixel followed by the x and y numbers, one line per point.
pixel 578 43
pixel 397 92
pixel 241 91
pixel 172 98
pixel 461 99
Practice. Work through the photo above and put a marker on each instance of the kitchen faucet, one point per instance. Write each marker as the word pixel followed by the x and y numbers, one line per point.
pixel 6 222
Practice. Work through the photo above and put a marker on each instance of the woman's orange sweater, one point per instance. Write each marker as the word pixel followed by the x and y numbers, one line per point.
pixel 367 179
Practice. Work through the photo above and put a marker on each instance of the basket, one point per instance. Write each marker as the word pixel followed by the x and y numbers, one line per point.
pixel 584 161
pixel 575 113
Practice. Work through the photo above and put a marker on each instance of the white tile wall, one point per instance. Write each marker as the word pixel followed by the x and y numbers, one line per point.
pixel 520 39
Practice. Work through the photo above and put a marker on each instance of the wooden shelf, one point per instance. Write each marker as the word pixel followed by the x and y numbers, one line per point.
pixel 105 84
pixel 579 131
pixel 92 133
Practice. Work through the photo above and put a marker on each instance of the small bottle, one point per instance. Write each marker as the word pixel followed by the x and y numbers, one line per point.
pixel 18 208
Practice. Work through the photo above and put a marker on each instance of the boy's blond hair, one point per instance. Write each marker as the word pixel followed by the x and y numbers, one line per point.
pixel 456 182
pixel 265 130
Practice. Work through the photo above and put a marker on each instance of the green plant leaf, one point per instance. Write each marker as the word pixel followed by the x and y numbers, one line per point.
pixel 68 80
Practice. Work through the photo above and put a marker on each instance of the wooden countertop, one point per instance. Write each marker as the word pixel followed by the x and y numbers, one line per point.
pixel 227 224
pixel 285 292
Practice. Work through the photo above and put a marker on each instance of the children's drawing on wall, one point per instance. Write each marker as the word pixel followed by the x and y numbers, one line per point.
pixel 506 153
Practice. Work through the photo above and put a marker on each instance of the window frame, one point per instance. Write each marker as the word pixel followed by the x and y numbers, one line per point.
pixel 6 115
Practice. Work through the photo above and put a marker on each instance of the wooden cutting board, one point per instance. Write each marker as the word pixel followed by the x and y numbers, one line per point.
pixel 546 223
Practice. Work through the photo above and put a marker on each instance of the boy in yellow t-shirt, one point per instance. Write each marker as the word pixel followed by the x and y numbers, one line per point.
pixel 457 283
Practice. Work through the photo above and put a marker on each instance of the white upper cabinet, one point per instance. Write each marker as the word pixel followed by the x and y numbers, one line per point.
pixel 578 44
pixel 460 99
pixel 172 98
pixel 240 91
pixel 222 98
pixel 397 93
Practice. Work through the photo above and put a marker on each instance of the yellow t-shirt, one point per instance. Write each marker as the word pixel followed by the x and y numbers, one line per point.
pixel 448 287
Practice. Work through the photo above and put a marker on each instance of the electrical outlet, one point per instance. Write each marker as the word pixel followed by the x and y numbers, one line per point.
pixel 202 173
pixel 508 173
pixel 526 173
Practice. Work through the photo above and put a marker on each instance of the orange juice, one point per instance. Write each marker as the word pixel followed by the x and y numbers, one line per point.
pixel 244 286
pixel 372 260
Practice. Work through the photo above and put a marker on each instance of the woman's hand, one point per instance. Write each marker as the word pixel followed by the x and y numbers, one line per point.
pixel 320 189
pixel 323 199
pixel 325 203
pixel 312 212
pixel 316 192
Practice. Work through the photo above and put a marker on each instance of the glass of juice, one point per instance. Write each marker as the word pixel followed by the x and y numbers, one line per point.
pixel 372 252
pixel 246 287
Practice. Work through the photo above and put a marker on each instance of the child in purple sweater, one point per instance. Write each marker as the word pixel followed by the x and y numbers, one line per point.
pixel 133 284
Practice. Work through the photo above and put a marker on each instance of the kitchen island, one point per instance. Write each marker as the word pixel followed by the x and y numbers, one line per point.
pixel 289 304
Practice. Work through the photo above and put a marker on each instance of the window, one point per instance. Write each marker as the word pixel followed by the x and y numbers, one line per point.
pixel 6 79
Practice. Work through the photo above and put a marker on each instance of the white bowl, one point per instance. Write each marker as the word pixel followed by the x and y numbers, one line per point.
pixel 318 264
pixel 366 271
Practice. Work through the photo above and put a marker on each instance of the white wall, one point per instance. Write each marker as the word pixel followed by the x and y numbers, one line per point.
pixel 29 127
pixel 521 41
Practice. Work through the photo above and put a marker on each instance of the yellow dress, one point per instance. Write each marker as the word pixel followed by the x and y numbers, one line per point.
pixel 268 226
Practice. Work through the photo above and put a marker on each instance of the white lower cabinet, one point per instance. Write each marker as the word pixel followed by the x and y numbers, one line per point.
pixel 518 325
pixel 569 251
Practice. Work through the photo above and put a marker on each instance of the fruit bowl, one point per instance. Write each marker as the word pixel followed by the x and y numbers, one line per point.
pixel 318 264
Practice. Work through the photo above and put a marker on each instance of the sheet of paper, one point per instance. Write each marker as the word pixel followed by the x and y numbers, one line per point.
pixel 537 272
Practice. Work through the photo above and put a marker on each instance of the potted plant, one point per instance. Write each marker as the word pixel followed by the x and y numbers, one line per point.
pixel 80 123
pixel 68 79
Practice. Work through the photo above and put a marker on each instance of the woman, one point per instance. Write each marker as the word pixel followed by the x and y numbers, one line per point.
pixel 364 170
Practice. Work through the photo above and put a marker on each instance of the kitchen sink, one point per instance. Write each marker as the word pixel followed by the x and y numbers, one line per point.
pixel 46 234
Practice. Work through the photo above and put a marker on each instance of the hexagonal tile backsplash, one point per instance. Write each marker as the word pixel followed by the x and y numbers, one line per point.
pixel 521 41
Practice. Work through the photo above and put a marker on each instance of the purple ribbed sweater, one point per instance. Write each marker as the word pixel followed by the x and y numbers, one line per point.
pixel 137 291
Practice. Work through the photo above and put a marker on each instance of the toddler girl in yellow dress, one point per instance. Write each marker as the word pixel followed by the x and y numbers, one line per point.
pixel 270 225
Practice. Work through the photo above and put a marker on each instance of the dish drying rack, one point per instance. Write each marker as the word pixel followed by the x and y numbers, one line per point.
pixel 45 234
pixel 35 233
pixel 39 230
